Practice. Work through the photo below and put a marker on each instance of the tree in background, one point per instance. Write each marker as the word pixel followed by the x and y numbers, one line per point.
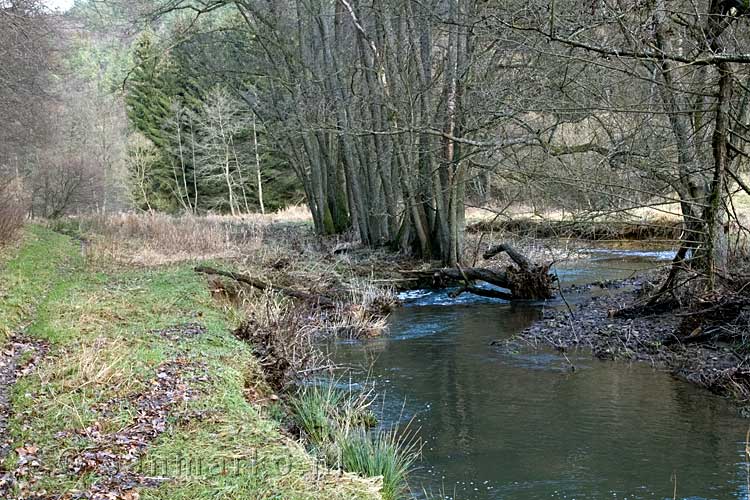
pixel 223 166
pixel 148 101
pixel 25 55
pixel 387 110
pixel 184 110
pixel 63 132
pixel 681 115
pixel 141 158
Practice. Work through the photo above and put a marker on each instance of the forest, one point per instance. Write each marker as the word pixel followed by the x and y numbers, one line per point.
pixel 226 226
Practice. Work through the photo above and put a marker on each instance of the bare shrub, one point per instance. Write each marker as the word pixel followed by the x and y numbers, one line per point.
pixel 13 208
pixel 282 339
pixel 364 313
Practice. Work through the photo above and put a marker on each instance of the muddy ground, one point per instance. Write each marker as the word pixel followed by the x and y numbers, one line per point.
pixel 723 368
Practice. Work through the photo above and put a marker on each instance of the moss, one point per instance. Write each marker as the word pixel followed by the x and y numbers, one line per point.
pixel 328 225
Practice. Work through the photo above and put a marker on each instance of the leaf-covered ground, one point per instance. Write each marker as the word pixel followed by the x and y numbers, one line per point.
pixel 130 385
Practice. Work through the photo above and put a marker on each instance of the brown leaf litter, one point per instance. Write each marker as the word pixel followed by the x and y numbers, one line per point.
pixel 112 457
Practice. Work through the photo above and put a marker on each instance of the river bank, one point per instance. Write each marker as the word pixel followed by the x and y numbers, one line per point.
pixel 591 324
pixel 139 388
pixel 144 361
pixel 518 422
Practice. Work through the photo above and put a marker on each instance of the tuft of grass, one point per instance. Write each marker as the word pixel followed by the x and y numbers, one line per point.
pixel 339 423
pixel 385 454
pixel 323 408
pixel 316 409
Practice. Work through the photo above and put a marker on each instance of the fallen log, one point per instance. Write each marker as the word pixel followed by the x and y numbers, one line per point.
pixel 525 282
pixel 318 300
pixel 516 257
pixel 444 277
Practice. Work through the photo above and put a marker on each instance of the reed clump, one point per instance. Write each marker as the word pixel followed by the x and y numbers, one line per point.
pixel 341 428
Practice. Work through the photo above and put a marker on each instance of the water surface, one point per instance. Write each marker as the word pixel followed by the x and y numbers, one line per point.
pixel 524 426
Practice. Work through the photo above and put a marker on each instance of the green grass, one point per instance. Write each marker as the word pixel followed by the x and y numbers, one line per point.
pixel 103 350
pixel 338 423
pixel 385 453
pixel 30 272
pixel 316 409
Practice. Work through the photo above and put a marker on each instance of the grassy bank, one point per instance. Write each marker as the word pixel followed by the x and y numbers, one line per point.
pixel 144 391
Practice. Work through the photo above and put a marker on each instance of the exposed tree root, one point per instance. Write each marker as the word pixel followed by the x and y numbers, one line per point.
pixel 716 318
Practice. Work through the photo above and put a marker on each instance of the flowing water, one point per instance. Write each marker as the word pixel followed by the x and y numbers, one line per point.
pixel 523 426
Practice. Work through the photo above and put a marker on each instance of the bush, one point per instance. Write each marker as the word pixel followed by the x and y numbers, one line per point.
pixel 13 207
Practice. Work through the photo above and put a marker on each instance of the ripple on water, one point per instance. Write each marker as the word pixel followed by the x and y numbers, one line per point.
pixel 522 426
pixel 613 254
pixel 442 297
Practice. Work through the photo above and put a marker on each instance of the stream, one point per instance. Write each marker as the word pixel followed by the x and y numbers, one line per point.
pixel 524 426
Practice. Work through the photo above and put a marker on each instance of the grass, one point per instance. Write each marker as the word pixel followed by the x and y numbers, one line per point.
pixel 339 425
pixel 115 333
pixel 280 249
pixel 29 273
pixel 316 408
pixel 385 454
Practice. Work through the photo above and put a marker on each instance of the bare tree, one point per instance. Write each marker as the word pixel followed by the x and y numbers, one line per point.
pixel 219 124
pixel 142 155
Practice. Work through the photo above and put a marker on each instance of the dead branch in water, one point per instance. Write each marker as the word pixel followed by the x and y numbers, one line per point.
pixel 482 292
pixel 525 282
pixel 316 299
pixel 516 257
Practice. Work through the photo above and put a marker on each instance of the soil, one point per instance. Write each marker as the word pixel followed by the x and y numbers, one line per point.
pixel 590 324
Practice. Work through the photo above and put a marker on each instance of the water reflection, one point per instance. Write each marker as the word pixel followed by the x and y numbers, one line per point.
pixel 523 426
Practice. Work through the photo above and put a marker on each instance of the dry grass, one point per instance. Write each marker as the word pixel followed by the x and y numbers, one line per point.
pixel 274 248
pixel 154 239
pixel 290 214
pixel 661 212
pixel 104 363
pixel 158 239
pixel 367 314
